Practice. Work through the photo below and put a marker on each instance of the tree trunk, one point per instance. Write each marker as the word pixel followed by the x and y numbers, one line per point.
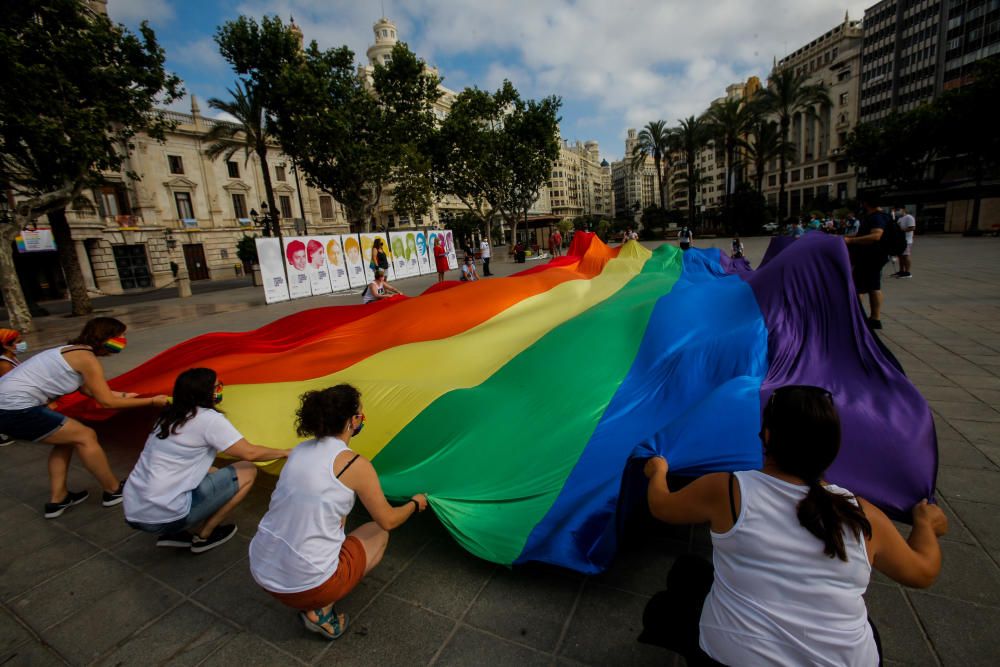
pixel 70 263
pixel 659 181
pixel 782 210
pixel 692 188
pixel 10 287
pixel 269 192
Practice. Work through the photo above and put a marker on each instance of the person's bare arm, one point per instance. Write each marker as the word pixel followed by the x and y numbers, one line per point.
pixel 243 449
pixel 915 561
pixel 96 386
pixel 704 500
pixel 362 478
pixel 867 239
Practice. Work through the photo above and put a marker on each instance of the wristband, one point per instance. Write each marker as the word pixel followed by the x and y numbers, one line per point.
pixel 416 505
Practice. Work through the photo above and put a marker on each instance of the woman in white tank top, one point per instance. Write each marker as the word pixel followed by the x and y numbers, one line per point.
pixel 300 553
pixel 792 555
pixel 27 391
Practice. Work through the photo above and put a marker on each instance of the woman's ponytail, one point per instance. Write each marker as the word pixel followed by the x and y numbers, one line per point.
pixel 826 514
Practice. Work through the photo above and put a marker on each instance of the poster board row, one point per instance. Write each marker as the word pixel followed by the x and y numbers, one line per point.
pixel 312 265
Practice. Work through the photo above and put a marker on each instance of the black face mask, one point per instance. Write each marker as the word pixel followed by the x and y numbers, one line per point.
pixel 355 432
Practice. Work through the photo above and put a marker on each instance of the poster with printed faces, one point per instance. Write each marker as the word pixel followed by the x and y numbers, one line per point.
pixel 335 262
pixel 367 243
pixel 316 266
pixel 424 259
pixel 404 254
pixel 447 238
pixel 272 270
pixel 355 262
pixel 297 259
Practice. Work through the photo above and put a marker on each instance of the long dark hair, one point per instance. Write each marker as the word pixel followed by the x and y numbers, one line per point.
pixel 193 389
pixel 804 430
pixel 98 330
pixel 325 412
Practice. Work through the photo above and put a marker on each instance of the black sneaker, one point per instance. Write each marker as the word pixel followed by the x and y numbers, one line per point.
pixel 181 540
pixel 52 510
pixel 219 536
pixel 874 324
pixel 905 274
pixel 112 499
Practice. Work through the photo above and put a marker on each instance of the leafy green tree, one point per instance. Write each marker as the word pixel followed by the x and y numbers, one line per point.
pixel 356 138
pixel 251 133
pixel 74 89
pixel 728 122
pixel 657 141
pixel 692 136
pixel 900 149
pixel 762 144
pixel 495 151
pixel 786 95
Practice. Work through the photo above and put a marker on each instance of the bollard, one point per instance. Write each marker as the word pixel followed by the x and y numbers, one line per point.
pixel 183 285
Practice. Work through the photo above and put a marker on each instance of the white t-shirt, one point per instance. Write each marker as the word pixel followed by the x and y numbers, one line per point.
pixel 159 487
pixel 484 250
pixel 907 223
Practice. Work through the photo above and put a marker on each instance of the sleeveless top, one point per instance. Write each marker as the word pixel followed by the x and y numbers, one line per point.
pixel 777 599
pixel 297 545
pixel 39 380
pixel 10 360
pixel 368 297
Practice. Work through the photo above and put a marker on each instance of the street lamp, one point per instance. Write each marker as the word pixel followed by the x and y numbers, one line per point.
pixel 257 221
pixel 272 216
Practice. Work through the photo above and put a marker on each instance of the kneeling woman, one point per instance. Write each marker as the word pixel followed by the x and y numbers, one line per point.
pixel 300 554
pixel 27 391
pixel 173 488
pixel 793 555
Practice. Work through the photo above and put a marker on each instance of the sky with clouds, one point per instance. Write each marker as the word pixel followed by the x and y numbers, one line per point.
pixel 614 64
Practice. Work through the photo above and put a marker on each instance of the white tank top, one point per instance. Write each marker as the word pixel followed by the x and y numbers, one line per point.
pixel 38 381
pixel 777 598
pixel 297 545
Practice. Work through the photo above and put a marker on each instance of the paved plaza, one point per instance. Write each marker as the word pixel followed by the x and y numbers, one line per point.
pixel 86 589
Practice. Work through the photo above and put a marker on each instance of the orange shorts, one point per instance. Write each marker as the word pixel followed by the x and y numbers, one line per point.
pixel 350 571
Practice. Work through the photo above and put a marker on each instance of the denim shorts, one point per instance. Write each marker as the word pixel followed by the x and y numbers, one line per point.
pixel 32 424
pixel 213 492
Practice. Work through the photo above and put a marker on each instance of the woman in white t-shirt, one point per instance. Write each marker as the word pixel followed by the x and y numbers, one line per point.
pixel 174 491
pixel 792 555
pixel 300 553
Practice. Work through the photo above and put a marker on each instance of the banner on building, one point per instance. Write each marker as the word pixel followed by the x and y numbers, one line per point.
pixel 424 259
pixel 355 264
pixel 367 243
pixel 296 261
pixel 272 269
pixel 336 265
pixel 316 267
pixel 35 240
pixel 404 254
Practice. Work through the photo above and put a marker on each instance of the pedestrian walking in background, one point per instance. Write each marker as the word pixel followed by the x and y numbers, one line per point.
pixel 486 254
pixel 908 224
pixel 868 256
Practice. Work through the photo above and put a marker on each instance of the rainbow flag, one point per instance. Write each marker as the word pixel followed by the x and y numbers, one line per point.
pixel 524 406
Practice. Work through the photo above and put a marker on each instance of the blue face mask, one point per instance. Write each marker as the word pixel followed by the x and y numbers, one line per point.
pixel 20 347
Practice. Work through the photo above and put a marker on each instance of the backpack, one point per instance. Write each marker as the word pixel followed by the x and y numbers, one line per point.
pixel 893 238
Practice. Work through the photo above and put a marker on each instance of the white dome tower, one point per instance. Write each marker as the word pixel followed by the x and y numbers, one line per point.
pixel 380 52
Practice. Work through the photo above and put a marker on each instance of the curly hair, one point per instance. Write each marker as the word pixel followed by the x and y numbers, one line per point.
pixel 324 412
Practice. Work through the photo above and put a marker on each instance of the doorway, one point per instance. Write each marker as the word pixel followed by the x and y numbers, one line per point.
pixel 133 266
pixel 194 258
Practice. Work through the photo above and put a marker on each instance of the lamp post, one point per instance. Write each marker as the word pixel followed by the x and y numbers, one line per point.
pixel 274 217
pixel 257 220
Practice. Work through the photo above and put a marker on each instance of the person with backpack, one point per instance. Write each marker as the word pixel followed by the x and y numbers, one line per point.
pixel 878 237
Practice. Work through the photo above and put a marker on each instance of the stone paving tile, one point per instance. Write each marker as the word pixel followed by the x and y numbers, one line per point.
pixel 975 381
pixel 902 639
pixel 604 629
pixel 474 647
pixel 179 568
pixel 964 634
pixel 529 606
pixel 960 454
pixel 971 410
pixel 184 636
pixel 391 632
pixel 445 578
pixel 977 432
pixel 956 531
pixel 981 520
pixel 247 650
pixel 968 484
pixel 970 575
pixel 32 655
pixel 12 633
pixel 41 552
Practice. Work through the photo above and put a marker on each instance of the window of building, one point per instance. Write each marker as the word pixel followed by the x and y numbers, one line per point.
pixel 807 173
pixel 772 180
pixel 843 99
pixel 279 172
pixel 796 176
pixel 176 164
pixel 185 211
pixel 326 206
pixel 823 170
pixel 234 169
pixel 239 205
pixel 841 167
pixel 113 201
pixel 285 202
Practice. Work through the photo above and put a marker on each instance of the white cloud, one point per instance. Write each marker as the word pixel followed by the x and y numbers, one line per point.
pixel 202 53
pixel 133 11
pixel 636 60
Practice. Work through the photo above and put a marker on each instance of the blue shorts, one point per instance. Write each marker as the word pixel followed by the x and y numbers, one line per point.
pixel 213 492
pixel 33 424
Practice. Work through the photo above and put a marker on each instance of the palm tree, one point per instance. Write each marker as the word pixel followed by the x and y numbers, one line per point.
pixel 786 95
pixel 727 122
pixel 251 133
pixel 656 140
pixel 766 145
pixel 692 136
